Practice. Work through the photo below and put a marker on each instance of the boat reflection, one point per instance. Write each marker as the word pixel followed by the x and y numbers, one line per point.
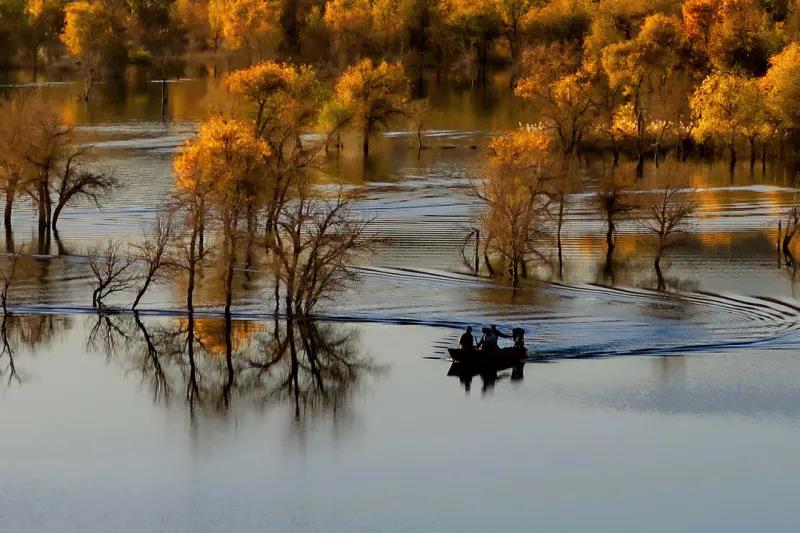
pixel 489 373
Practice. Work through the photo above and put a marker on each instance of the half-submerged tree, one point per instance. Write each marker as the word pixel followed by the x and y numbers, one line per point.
pixel 516 193
pixel 74 183
pixel 792 217
pixel 153 252
pixel 282 101
pixel 217 172
pixel 113 271
pixel 39 157
pixel 373 94
pixel 315 249
pixel 730 108
pixel 640 66
pixel 13 143
pixel 563 92
pixel 665 213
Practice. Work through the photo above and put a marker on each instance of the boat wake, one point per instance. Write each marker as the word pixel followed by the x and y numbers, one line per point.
pixel 561 321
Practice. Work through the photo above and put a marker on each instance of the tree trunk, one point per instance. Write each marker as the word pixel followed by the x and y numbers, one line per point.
pixel 365 145
pixel 192 271
pixel 515 272
pixel 231 263
pixel 42 210
pixel 143 290
pixel 610 235
pixel 56 214
pixel 35 63
pixel 8 208
pixel 488 264
pixel 9 240
pixel 163 96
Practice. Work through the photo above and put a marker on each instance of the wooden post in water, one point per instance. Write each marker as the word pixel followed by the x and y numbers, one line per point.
pixel 477 246
pixel 779 241
pixel 163 97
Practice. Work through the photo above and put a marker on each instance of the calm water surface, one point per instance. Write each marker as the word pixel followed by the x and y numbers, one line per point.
pixel 650 411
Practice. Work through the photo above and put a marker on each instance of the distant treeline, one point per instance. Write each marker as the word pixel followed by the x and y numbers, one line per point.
pixel 625 75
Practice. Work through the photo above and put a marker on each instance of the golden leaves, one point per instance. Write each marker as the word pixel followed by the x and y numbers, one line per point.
pixel 224 155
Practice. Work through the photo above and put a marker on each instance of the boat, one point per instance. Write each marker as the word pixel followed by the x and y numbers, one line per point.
pixel 502 357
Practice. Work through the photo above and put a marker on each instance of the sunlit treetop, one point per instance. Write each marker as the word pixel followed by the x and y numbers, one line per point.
pixel 473 18
pixel 85 27
pixel 524 147
pixel 349 15
pixel 728 106
pixel 282 97
pixel 615 21
pixel 652 51
pixel 224 155
pixel 782 86
pixel 699 16
pixel 250 24
pixel 559 20
pixel 740 35
pixel 374 94
pixel 262 81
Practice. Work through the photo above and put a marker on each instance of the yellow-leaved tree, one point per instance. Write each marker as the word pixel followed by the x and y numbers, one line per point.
pixel 45 21
pixel 729 108
pixel 250 25
pixel 373 95
pixel 282 101
pixel 350 24
pixel 94 33
pixel 516 196
pixel 640 67
pixel 553 80
pixel 217 172
pixel 782 86
pixel 475 24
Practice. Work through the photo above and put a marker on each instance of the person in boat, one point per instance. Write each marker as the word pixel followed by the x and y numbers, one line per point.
pixel 488 342
pixel 499 334
pixel 467 341
pixel 518 335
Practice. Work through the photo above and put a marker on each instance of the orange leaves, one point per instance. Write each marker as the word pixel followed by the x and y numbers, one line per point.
pixel 262 80
pixel 281 98
pixel 699 16
pixel 520 147
pixel 82 22
pixel 728 106
pixel 225 155
pixel 373 95
pixel 782 85
pixel 248 24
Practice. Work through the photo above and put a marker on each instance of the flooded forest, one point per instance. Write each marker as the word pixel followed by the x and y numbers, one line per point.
pixel 242 241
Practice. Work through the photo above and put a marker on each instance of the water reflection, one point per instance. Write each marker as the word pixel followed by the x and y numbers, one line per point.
pixel 29 332
pixel 489 373
pixel 216 365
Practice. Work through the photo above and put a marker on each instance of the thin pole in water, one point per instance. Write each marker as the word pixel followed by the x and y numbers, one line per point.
pixel 477 246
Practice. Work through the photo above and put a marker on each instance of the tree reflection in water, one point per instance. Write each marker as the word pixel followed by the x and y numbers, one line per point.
pixel 222 363
pixel 31 332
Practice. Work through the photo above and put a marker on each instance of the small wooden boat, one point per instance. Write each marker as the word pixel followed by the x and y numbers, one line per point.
pixel 502 357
